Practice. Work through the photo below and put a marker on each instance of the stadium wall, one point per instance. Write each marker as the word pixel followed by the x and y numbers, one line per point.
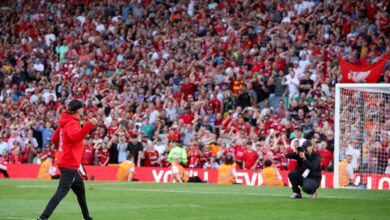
pixel 163 175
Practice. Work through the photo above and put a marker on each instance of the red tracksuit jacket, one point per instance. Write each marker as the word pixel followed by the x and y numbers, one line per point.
pixel 69 138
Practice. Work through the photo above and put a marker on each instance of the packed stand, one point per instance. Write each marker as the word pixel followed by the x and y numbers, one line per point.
pixel 250 78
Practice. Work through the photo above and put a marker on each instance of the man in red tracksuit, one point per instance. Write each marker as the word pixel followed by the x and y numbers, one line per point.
pixel 69 138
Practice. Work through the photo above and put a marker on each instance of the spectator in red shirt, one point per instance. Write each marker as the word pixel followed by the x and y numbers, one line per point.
pixel 281 110
pixel 371 9
pixel 207 153
pixel 15 157
pixel 4 158
pixel 188 88
pixel 187 116
pixel 29 152
pixel 46 151
pixel 174 134
pixel 260 154
pixel 88 152
pixel 239 152
pixel 151 156
pixel 3 163
pixel 194 156
pixel 279 151
pixel 113 128
pixel 250 157
pixel 103 156
pixel 326 155
pixel 215 103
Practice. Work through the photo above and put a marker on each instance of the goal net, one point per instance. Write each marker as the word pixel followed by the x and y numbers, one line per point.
pixel 362 136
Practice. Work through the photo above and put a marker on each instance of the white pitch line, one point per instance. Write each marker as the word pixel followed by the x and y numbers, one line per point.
pixel 161 190
pixel 189 192
pixel 201 192
pixel 17 218
pixel 225 193
pixel 37 186
pixel 85 183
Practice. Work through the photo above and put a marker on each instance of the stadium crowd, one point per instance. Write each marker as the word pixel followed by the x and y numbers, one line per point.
pixel 250 78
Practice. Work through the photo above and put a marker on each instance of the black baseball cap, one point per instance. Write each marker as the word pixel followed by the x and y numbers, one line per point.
pixel 75 105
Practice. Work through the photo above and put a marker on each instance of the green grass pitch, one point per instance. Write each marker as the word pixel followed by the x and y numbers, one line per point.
pixel 25 200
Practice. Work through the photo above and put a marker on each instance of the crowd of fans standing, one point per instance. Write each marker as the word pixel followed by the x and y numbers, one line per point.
pixel 250 78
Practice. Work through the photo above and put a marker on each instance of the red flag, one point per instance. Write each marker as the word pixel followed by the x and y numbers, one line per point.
pixel 362 73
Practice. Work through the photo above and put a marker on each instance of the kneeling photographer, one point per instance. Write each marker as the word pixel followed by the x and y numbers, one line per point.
pixel 308 171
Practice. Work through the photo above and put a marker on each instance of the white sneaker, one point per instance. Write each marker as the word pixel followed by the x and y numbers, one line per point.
pixel 296 196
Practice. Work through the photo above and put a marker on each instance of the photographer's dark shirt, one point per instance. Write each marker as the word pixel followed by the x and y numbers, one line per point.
pixel 134 149
pixel 113 154
pixel 312 162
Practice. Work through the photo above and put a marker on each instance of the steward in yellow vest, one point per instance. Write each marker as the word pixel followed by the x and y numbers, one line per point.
pixel 346 174
pixel 179 174
pixel 126 171
pixel 47 170
pixel 270 174
pixel 227 171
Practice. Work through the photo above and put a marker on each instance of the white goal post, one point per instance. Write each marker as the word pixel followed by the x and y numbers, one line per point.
pixel 361 121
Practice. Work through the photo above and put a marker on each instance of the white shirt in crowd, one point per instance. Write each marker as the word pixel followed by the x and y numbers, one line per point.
pixel 122 152
pixel 387 171
pixel 351 175
pixel 39 67
pixel 300 7
pixel 47 94
pixel 293 85
pixel 286 20
pixel 81 18
pixel 107 121
pixel 49 38
pixel 3 146
pixel 34 98
pixel 265 111
pixel 314 76
pixel 116 18
pixel 355 155
pixel 153 115
pixel 191 8
pixel 11 142
pixel 33 140
pixel 301 140
pixel 171 113
pixel 160 148
pixel 100 28
pixel 304 63
pixel 299 71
